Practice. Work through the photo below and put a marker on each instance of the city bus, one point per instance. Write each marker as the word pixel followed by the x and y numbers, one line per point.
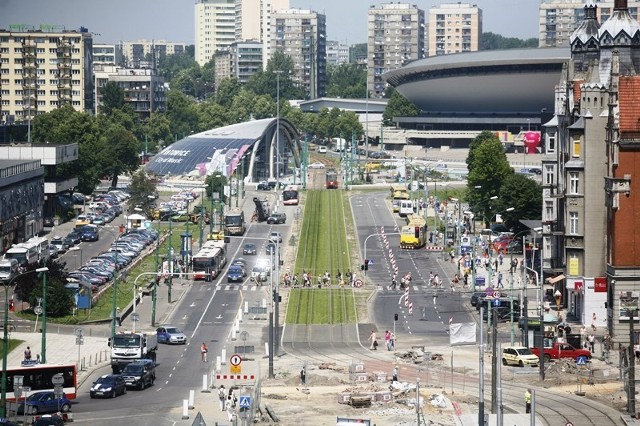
pixel 210 260
pixel 290 196
pixel 234 222
pixel 38 377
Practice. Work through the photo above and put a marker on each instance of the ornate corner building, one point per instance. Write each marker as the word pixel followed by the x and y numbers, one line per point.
pixel 590 197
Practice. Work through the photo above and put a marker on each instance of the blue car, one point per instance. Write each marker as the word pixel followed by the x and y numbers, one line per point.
pixel 45 402
pixel 235 274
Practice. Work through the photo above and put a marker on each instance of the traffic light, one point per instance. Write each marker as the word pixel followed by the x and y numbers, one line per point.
pixel 416 232
pixel 395 317
pixel 366 265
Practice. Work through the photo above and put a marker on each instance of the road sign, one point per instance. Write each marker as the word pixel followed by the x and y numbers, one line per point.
pixel 489 291
pixel 496 302
pixel 135 317
pixel 58 391
pixel 235 359
pixel 245 401
pixel 235 369
pixel 358 283
pixel 57 379
pixel 568 424
pixel 38 310
pixel 582 360
pixel 496 294
pixel 26 389
pixel 79 332
pixel 79 341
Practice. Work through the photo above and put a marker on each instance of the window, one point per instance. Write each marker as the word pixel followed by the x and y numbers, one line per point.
pixel 574 183
pixel 549 174
pixel 551 142
pixel 548 211
pixel 575 147
pixel 573 223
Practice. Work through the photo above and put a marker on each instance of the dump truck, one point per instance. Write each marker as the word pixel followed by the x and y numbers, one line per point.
pixel 127 347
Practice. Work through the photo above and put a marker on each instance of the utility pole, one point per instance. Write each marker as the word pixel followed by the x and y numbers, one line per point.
pixel 494 363
pixel 481 375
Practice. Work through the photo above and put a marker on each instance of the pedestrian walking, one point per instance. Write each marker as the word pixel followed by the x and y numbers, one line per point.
pixel 500 280
pixel 203 351
pixel 231 398
pixel 392 341
pixel 27 354
pixel 394 374
pixel 387 336
pixel 230 412
pixel 303 377
pixel 222 396
pixel 527 401
pixel 591 340
pixel 374 342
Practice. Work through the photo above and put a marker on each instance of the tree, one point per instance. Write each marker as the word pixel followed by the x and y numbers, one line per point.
pixel 112 98
pixel 357 51
pixel 182 114
pixel 346 81
pixel 492 41
pixel 524 195
pixel 398 106
pixel 227 90
pixel 29 287
pixel 216 182
pixel 488 170
pixel 142 190
pixel 119 150
pixel 485 136
pixel 157 131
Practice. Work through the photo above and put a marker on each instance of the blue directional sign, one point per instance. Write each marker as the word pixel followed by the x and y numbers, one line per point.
pixel 496 302
pixel 582 360
pixel 245 402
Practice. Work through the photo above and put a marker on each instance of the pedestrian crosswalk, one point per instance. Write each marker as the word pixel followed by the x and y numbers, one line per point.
pixel 238 287
pixel 416 288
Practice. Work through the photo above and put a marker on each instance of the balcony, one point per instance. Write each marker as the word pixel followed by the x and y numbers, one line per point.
pixel 62 185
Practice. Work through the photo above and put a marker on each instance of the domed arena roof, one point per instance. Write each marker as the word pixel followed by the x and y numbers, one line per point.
pixel 217 150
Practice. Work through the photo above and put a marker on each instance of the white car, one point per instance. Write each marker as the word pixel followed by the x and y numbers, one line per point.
pixel 322 149
pixel 316 165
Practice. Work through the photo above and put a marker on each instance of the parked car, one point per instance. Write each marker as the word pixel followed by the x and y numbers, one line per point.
pixel 277 217
pixel 249 248
pixel 44 402
pixel 170 334
pixel 47 222
pixel 263 186
pixel 108 386
pixel 316 165
pixel 519 355
pixel 181 217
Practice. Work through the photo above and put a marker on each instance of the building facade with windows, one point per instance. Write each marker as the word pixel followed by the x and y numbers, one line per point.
pixel 42 69
pixel 138 52
pixel 559 18
pixel 454 28
pixel 591 251
pixel 301 35
pixel 395 36
pixel 107 54
pixel 337 53
pixel 143 89
pixel 215 24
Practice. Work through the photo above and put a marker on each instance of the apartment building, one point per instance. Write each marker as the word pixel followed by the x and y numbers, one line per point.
pixel 301 35
pixel 337 53
pixel 215 24
pixel 559 18
pixel 43 68
pixel 107 54
pixel 590 251
pixel 143 89
pixel 454 28
pixel 138 52
pixel 268 8
pixel 396 35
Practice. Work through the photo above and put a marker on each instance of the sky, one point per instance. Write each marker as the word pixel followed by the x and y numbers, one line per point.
pixel 128 20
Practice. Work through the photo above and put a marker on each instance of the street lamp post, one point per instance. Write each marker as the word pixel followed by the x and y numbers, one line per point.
pixel 540 280
pixel 155 283
pixel 43 355
pixel 277 72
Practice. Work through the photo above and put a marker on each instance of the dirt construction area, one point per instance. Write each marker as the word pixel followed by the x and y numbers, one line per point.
pixel 333 390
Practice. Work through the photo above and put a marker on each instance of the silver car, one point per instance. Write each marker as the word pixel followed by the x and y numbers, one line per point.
pixel 170 334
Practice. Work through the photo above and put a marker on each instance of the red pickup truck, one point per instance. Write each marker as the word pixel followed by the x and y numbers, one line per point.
pixel 562 350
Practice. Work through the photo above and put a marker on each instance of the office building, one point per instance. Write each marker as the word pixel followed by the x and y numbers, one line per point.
pixel 107 54
pixel 42 69
pixel 337 53
pixel 215 23
pixel 301 35
pixel 142 51
pixel 143 89
pixel 396 35
pixel 591 255
pixel 454 28
pixel 559 18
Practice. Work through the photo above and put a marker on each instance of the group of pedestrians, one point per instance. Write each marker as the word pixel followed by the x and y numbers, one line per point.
pixel 228 401
pixel 324 279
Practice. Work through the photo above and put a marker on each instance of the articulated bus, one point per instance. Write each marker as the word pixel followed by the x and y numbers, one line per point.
pixel 38 377
pixel 234 222
pixel 210 260
pixel 290 196
pixel 332 179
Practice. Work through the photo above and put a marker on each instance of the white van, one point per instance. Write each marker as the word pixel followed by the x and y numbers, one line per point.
pixel 8 270
pixel 25 253
pixel 406 207
pixel 42 247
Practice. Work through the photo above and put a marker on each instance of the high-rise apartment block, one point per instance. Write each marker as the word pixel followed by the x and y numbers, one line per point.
pixel 301 35
pixel 241 61
pixel 107 54
pixel 215 27
pixel 137 52
pixel 268 8
pixel 396 35
pixel 337 53
pixel 42 69
pixel 559 18
pixel 454 28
